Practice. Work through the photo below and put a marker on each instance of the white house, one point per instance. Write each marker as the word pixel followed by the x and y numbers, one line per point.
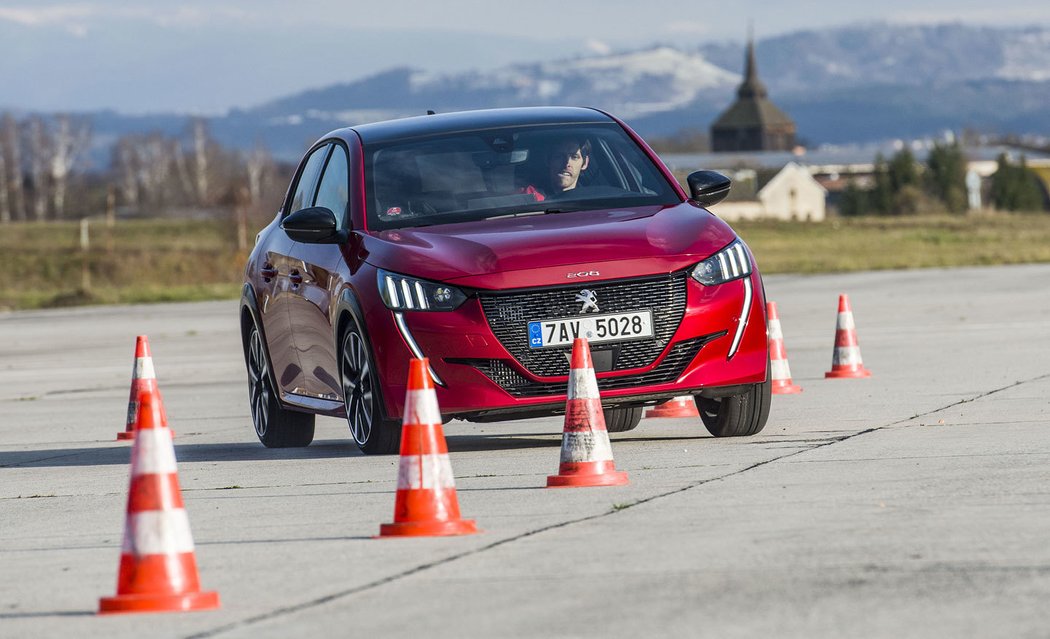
pixel 791 194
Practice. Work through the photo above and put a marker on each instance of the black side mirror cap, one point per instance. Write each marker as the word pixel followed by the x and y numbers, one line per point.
pixel 314 225
pixel 708 188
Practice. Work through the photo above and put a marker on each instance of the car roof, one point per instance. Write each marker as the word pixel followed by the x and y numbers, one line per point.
pixel 425 125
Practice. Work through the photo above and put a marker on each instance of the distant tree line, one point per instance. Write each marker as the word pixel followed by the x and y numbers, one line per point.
pixel 1015 187
pixel 902 186
pixel 37 160
pixel 47 172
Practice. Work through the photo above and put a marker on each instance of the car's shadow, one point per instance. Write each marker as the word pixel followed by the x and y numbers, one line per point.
pixel 118 454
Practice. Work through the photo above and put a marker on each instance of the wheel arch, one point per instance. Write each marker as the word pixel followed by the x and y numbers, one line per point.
pixel 249 315
pixel 348 310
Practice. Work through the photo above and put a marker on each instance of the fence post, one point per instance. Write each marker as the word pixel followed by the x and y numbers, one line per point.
pixel 85 245
pixel 111 216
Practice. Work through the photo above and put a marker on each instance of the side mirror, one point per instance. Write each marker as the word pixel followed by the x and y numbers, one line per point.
pixel 707 188
pixel 315 225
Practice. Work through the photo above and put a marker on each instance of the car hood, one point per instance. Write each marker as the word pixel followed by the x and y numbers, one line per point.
pixel 641 241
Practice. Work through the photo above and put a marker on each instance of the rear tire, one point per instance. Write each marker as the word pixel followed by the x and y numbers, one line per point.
pixel 621 419
pixel 739 415
pixel 373 434
pixel 276 426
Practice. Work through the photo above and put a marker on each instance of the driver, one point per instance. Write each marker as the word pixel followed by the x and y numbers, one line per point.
pixel 566 161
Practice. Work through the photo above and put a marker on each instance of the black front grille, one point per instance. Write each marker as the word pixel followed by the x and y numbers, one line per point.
pixel 508 315
pixel 672 366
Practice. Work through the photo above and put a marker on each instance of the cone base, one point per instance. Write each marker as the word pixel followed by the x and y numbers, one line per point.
pixel 125 435
pixel 428 528
pixel 613 478
pixel 158 603
pixel 844 373
pixel 786 389
pixel 671 412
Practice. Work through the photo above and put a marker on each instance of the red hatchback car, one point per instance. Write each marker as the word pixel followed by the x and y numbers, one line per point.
pixel 486 241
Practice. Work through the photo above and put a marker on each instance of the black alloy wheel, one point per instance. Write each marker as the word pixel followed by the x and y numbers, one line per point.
pixel 276 426
pixel 372 433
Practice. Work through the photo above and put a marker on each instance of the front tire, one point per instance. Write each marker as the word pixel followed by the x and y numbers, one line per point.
pixel 371 432
pixel 276 426
pixel 739 415
pixel 621 419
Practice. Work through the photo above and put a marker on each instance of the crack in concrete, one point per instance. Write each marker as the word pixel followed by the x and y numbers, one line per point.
pixel 971 399
pixel 320 601
pixel 348 592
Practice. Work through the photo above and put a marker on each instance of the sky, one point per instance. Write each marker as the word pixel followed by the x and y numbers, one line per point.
pixel 208 56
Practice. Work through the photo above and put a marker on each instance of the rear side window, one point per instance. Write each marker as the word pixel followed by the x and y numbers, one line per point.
pixel 332 191
pixel 304 189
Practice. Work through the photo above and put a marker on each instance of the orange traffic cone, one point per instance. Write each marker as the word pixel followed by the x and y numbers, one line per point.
pixel 681 406
pixel 846 361
pixel 158 567
pixel 142 378
pixel 426 503
pixel 778 358
pixel 586 455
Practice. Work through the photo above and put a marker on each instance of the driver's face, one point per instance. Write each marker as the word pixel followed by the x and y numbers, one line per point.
pixel 566 162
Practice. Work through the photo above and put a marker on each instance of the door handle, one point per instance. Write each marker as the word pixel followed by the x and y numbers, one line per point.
pixel 296 277
pixel 268 272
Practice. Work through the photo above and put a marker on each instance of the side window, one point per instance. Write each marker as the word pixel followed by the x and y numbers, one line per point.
pixel 304 191
pixel 332 191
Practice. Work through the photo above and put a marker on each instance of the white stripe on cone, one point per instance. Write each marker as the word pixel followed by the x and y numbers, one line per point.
pixel 153 453
pixel 846 356
pixel 157 532
pixel 585 446
pixel 583 384
pixel 845 321
pixel 421 407
pixel 774 330
pixel 144 368
pixel 426 472
pixel 781 370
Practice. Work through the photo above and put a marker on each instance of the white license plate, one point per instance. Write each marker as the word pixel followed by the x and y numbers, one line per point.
pixel 616 327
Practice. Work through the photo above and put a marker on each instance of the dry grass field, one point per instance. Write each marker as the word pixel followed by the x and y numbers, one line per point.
pixel 178 260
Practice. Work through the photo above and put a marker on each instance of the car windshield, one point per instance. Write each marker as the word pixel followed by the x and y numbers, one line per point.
pixel 492 173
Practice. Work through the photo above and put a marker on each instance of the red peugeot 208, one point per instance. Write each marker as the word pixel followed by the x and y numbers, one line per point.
pixel 486 241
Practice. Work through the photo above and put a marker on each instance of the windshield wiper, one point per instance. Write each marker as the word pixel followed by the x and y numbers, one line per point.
pixel 552 210
pixel 521 214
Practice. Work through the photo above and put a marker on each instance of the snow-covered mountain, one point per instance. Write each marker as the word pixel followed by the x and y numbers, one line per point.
pixel 907 55
pixel 630 84
pixel 849 84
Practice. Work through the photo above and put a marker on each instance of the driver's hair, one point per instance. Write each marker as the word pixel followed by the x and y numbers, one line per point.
pixel 581 143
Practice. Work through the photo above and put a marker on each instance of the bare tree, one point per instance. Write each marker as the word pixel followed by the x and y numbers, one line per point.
pixel 70 140
pixel 5 205
pixel 40 150
pixel 259 164
pixel 126 162
pixel 12 181
pixel 178 156
pixel 155 169
pixel 200 156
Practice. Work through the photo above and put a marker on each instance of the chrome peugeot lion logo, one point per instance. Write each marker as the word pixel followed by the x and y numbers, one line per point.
pixel 589 299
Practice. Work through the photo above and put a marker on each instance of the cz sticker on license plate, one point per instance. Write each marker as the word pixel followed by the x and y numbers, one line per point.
pixel 616 327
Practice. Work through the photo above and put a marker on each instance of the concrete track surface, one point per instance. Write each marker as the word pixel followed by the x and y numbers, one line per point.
pixel 915 503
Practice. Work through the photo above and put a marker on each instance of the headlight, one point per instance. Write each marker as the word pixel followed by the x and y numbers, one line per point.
pixel 402 293
pixel 731 263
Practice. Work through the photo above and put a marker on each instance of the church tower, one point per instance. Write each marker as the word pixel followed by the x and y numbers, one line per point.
pixel 752 123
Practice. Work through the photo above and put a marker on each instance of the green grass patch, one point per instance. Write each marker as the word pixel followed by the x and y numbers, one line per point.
pixel 132 262
pixel 878 243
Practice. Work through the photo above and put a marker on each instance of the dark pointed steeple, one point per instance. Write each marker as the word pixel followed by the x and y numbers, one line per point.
pixel 752 122
pixel 751 87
